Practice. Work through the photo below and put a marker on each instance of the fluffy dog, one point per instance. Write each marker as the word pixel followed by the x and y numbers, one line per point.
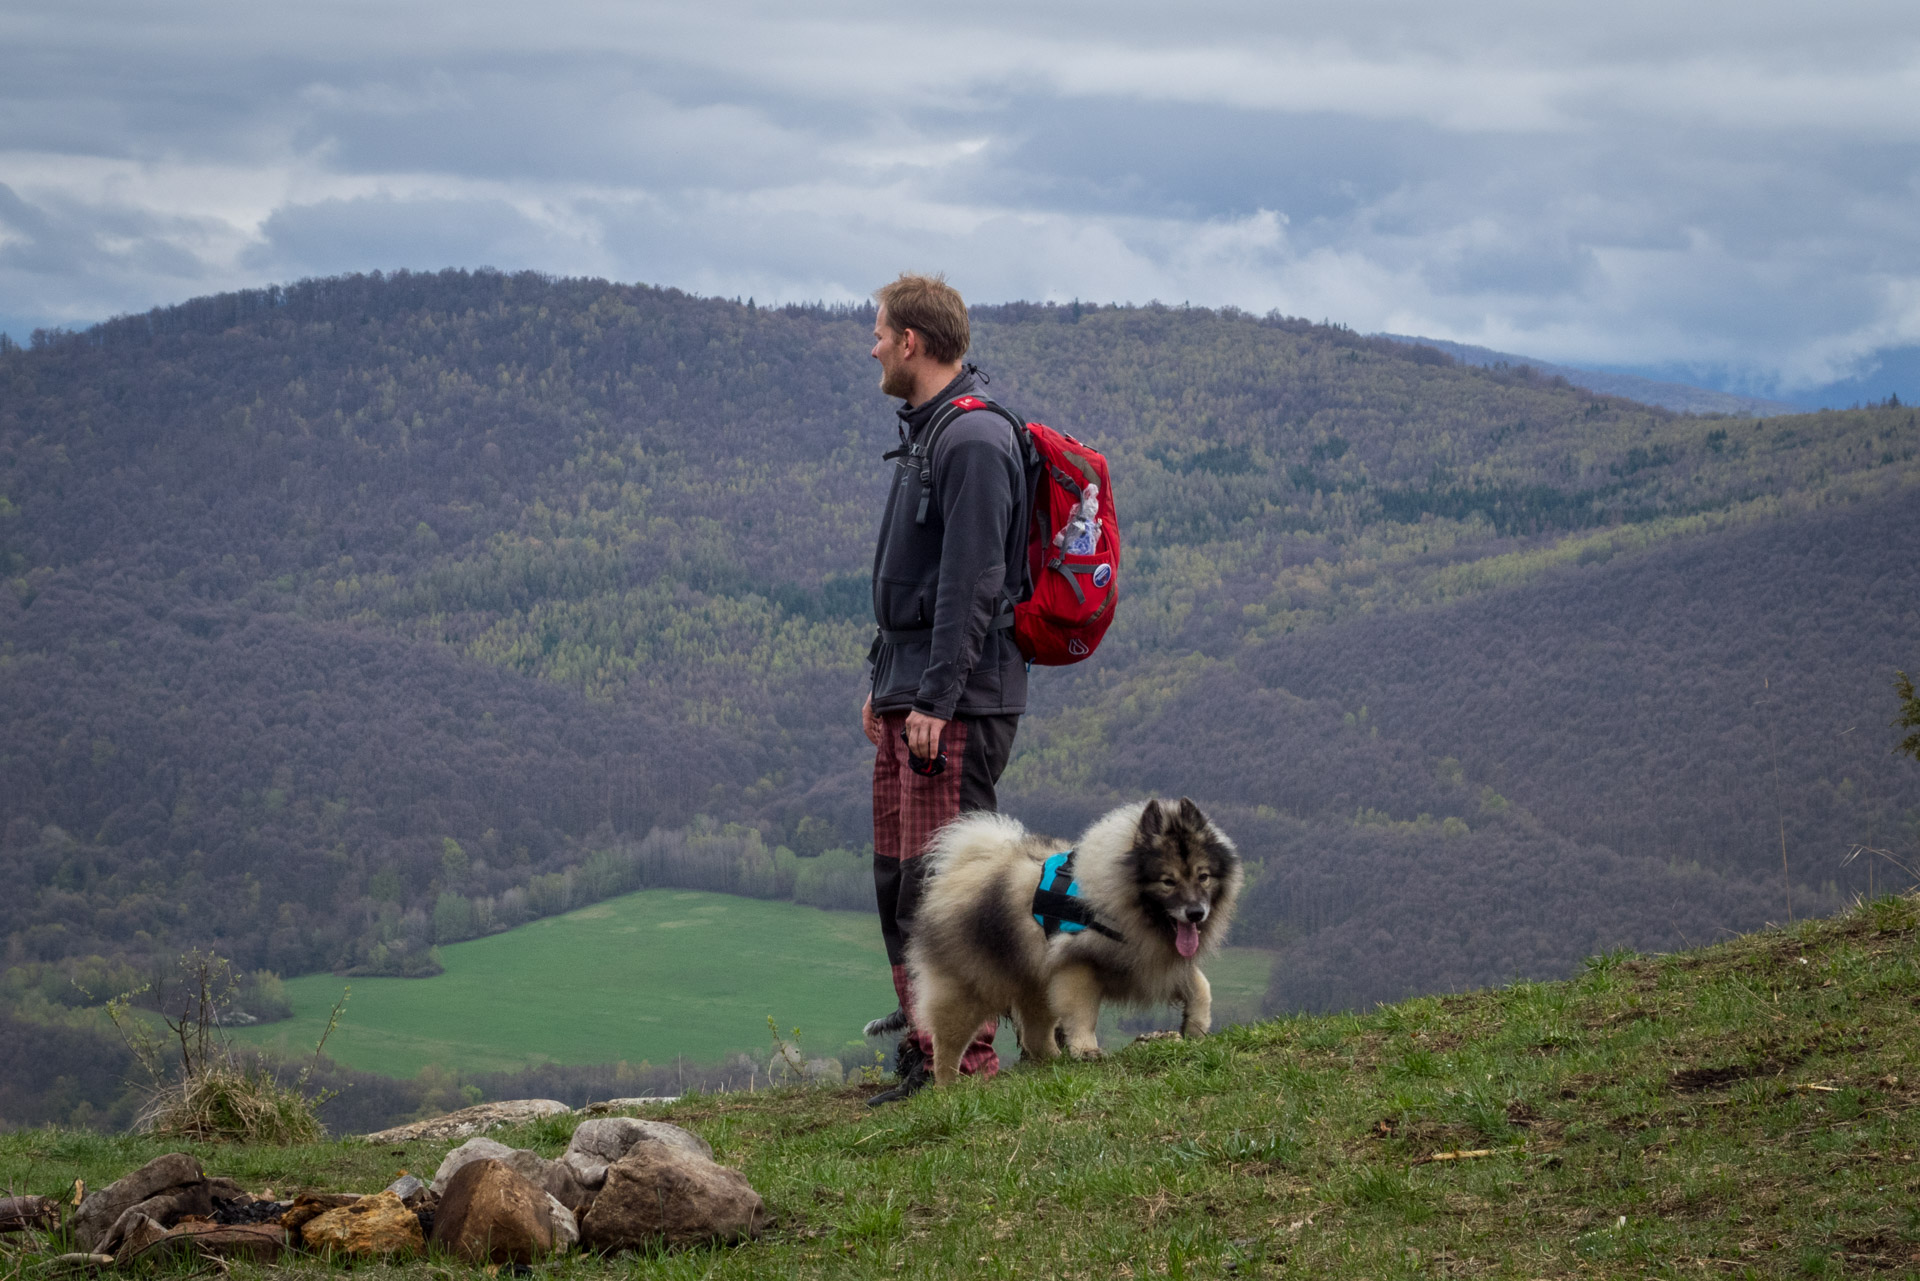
pixel 1152 893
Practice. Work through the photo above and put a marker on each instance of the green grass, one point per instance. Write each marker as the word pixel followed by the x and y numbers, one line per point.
pixel 643 977
pixel 1747 1110
pixel 646 976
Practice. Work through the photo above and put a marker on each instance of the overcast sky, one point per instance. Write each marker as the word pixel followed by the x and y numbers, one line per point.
pixel 1639 184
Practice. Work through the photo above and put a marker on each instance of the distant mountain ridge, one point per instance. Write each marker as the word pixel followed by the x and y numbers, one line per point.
pixel 1679 397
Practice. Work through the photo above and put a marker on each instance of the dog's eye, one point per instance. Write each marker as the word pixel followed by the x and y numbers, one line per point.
pixel 1166 882
pixel 1205 877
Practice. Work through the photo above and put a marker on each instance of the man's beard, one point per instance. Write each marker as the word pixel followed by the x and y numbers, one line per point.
pixel 896 382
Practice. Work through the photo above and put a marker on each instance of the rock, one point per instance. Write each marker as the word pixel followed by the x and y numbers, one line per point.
pixel 19 1212
pixel 309 1206
pixel 372 1226
pixel 474 1120
pixel 529 1165
pixel 100 1209
pixel 408 1188
pixel 580 1169
pixel 660 1193
pixel 132 1233
pixel 608 1106
pixel 189 1200
pixel 225 1190
pixel 566 1226
pixel 259 1242
pixel 598 1144
pixel 566 1188
pixel 490 1214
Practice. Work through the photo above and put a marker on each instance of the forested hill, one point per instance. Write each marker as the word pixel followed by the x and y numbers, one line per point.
pixel 350 616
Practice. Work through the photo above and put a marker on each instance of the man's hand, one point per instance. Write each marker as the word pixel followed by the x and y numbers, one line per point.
pixel 923 734
pixel 869 722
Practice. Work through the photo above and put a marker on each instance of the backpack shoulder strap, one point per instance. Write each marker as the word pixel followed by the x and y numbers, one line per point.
pixel 919 453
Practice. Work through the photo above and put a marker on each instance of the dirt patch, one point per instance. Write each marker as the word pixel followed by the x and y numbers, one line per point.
pixel 1578 1084
pixel 1879 1252
pixel 1677 1203
pixel 1693 1080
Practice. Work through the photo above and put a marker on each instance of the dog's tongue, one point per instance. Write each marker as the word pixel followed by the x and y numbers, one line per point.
pixel 1186 938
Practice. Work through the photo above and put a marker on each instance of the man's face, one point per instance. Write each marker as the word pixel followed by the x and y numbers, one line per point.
pixel 890 349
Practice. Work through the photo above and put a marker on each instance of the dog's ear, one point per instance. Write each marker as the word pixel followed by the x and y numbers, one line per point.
pixel 1153 820
pixel 1190 816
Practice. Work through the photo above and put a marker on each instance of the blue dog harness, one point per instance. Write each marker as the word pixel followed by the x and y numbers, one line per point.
pixel 1057 904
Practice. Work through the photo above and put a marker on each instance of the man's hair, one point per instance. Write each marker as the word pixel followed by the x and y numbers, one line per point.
pixel 932 308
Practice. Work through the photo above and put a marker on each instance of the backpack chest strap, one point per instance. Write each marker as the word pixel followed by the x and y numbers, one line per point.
pixel 916 454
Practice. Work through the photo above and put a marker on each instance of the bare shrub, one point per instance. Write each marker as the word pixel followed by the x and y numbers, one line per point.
pixel 198 1088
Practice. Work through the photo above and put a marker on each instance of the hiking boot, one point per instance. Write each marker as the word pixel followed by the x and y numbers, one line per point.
pixel 915 1073
pixel 908 1056
pixel 914 1080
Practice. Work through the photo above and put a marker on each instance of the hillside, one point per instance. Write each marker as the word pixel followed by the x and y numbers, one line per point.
pixel 1747 1108
pixel 370 614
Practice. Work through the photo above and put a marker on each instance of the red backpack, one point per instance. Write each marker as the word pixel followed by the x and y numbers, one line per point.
pixel 1073 553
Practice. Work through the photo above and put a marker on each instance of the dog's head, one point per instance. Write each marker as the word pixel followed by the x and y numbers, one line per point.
pixel 1186 872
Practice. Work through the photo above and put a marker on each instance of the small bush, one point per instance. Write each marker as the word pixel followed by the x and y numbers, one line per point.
pixel 225 1102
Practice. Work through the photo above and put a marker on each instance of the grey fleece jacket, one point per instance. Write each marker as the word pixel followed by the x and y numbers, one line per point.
pixel 939 587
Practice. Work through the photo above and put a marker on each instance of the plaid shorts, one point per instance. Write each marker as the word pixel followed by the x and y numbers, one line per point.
pixel 908 808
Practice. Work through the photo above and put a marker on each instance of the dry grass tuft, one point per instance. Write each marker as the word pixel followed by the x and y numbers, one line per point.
pixel 227 1103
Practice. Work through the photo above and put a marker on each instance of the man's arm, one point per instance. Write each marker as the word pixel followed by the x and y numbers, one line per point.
pixel 976 482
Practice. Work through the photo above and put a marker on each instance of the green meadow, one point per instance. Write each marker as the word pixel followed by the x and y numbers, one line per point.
pixel 645 977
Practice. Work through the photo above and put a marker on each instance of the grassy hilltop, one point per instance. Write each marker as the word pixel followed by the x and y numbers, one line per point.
pixel 1746 1109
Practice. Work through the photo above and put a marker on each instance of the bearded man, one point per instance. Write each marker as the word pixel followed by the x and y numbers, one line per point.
pixel 948 682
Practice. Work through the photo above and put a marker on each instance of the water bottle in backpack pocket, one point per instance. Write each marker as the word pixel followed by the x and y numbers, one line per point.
pixel 1073 536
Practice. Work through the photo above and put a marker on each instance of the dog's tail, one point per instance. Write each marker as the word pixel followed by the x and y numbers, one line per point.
pixel 980 836
pixel 894 1022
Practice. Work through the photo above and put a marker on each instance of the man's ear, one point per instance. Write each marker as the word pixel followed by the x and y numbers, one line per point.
pixel 909 343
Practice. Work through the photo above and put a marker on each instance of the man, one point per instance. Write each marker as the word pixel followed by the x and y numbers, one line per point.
pixel 949 683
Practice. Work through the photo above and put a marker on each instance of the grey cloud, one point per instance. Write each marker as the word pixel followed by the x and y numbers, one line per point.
pixel 585 121
pixel 1199 160
pixel 80 261
pixel 329 237
pixel 1637 184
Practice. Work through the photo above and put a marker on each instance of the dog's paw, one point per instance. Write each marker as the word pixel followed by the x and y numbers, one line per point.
pixel 1087 1052
pixel 894 1022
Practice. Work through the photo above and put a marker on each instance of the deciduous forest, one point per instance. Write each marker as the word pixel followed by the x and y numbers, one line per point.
pixel 365 614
